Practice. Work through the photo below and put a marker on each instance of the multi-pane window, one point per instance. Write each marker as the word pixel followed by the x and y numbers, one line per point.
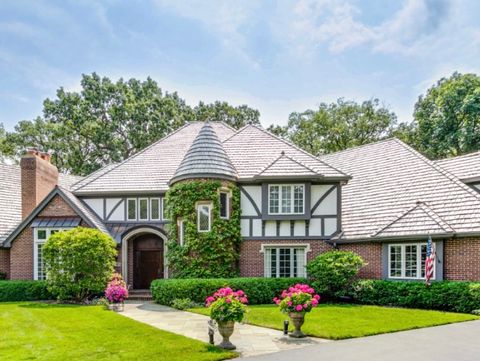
pixel 204 217
pixel 164 209
pixel 286 199
pixel 407 260
pixel 155 209
pixel 285 262
pixel 132 209
pixel 40 237
pixel 224 205
pixel 143 209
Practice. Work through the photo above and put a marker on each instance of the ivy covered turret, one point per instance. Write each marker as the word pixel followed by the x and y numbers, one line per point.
pixel 203 204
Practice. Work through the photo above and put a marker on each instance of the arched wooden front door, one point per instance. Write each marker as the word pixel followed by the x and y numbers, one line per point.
pixel 147 260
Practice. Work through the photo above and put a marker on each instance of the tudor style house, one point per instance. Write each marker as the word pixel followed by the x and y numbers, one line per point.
pixel 381 200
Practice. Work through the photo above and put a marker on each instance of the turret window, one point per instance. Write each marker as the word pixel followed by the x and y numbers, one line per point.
pixel 224 205
pixel 204 217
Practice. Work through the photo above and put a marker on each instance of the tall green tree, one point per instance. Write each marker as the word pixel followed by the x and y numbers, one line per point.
pixel 337 126
pixel 109 121
pixel 447 117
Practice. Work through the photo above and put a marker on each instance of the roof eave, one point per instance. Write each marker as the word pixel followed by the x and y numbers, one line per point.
pixel 409 237
pixel 202 175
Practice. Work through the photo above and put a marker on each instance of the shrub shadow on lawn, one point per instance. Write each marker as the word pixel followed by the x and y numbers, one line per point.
pixel 49 304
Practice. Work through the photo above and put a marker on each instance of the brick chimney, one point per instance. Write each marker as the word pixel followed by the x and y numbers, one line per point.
pixel 38 178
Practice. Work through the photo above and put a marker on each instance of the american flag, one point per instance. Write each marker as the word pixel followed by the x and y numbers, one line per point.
pixel 430 260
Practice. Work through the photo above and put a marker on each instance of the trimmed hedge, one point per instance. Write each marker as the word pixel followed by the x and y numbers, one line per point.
pixel 258 290
pixel 444 296
pixel 12 291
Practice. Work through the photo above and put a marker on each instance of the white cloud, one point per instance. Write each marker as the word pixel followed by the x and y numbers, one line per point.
pixel 227 19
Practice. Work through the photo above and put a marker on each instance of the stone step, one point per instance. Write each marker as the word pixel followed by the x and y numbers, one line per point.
pixel 140 295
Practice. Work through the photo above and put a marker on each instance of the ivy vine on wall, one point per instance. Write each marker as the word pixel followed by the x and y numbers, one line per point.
pixel 211 254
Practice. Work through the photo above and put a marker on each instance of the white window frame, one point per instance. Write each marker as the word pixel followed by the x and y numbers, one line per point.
pixel 267 270
pixel 139 209
pixel 136 209
pixel 181 231
pixel 37 241
pixel 228 195
pixel 403 265
pixel 162 212
pixel 292 194
pixel 159 208
pixel 209 205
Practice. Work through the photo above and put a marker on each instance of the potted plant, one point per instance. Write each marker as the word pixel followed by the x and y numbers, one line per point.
pixel 116 292
pixel 296 302
pixel 226 307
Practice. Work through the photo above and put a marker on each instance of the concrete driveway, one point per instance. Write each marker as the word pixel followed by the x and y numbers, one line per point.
pixel 455 342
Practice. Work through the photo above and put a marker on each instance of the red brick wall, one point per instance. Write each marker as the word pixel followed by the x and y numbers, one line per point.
pixel 371 254
pixel 252 260
pixel 461 259
pixel 5 261
pixel 21 252
pixel 38 178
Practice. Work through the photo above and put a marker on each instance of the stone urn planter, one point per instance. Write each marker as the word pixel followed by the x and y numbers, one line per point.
pixel 225 328
pixel 298 318
pixel 117 307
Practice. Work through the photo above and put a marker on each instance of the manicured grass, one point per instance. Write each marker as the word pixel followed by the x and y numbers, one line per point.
pixel 335 321
pixel 39 331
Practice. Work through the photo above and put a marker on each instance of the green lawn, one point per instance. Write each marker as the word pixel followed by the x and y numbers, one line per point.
pixel 335 321
pixel 39 331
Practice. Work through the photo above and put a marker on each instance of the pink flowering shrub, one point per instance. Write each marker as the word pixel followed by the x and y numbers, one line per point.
pixel 227 305
pixel 116 291
pixel 299 298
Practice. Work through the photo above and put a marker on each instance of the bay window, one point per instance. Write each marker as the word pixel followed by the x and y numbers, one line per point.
pixel 285 262
pixel 286 199
pixel 407 260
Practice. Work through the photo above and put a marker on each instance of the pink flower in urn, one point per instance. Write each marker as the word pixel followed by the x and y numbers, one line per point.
pixel 317 297
pixel 289 303
pixel 228 300
pixel 244 300
pixel 314 302
pixel 299 308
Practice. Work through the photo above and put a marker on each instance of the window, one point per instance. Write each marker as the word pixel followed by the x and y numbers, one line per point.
pixel 164 208
pixel 407 260
pixel 40 237
pixel 224 205
pixel 285 262
pixel 204 217
pixel 143 209
pixel 132 209
pixel 286 199
pixel 154 209
pixel 181 231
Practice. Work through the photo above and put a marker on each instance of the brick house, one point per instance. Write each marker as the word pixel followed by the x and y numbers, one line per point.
pixel 380 200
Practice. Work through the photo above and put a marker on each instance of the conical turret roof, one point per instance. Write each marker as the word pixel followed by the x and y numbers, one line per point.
pixel 205 158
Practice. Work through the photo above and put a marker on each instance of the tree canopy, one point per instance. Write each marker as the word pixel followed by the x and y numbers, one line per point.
pixel 337 126
pixel 447 117
pixel 109 121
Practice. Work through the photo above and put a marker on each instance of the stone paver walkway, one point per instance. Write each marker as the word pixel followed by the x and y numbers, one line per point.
pixel 250 340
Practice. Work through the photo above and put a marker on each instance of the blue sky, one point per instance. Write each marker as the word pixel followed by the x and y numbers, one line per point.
pixel 276 56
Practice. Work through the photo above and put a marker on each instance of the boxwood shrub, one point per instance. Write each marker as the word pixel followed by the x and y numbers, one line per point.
pixel 11 291
pixel 445 296
pixel 258 290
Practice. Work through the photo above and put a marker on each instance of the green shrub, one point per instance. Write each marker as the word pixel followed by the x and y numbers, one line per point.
pixel 183 303
pixel 79 263
pixel 445 296
pixel 258 290
pixel 332 272
pixel 13 291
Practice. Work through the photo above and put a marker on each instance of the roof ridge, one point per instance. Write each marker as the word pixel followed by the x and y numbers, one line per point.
pixel 282 154
pixel 134 155
pixel 439 169
pixel 301 163
pixel 237 131
pixel 296 147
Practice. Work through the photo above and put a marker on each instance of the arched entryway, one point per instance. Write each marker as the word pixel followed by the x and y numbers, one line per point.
pixel 143 257
pixel 147 260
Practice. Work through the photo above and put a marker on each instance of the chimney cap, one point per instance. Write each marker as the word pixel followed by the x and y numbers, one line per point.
pixel 39 154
